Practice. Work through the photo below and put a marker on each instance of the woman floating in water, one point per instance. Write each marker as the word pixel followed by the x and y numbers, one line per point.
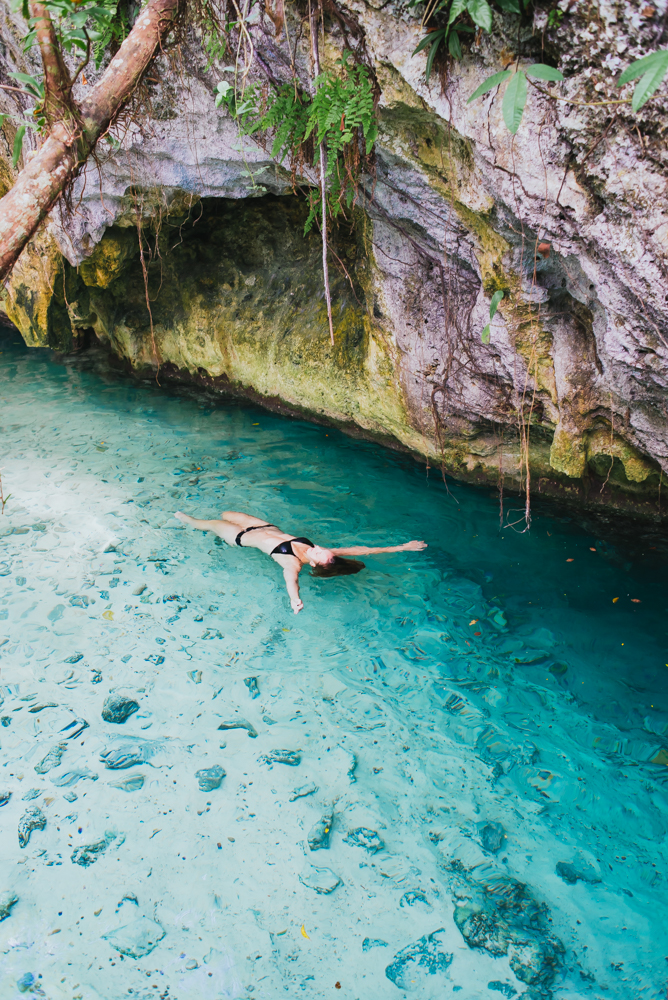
pixel 290 553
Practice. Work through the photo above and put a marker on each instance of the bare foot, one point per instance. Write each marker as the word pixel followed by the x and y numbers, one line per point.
pixel 183 518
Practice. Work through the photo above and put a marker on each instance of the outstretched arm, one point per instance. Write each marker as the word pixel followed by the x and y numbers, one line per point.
pixel 291 577
pixel 367 550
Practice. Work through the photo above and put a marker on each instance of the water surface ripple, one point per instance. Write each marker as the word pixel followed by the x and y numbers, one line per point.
pixel 446 776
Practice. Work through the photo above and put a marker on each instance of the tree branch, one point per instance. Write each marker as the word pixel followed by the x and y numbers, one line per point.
pixel 57 162
pixel 57 83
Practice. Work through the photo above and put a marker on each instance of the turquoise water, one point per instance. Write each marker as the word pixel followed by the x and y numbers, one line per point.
pixel 475 799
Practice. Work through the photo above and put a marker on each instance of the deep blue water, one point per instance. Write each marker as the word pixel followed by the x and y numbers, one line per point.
pixel 484 724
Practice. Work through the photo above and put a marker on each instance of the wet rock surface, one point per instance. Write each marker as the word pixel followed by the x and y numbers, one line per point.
pixel 318 836
pixel 425 957
pixel 239 724
pixel 32 819
pixel 210 778
pixel 136 939
pixel 252 685
pixel 118 708
pixel 52 759
pixel 321 880
pixel 370 840
pixel 289 757
pixel 87 854
pixel 7 900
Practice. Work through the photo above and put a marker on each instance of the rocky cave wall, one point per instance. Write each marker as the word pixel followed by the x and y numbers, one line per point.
pixel 576 363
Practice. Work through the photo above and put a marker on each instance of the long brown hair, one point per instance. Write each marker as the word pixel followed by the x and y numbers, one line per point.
pixel 338 567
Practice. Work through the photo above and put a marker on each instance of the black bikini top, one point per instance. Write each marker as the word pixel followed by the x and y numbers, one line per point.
pixel 283 548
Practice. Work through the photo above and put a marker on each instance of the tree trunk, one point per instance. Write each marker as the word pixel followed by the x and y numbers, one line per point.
pixel 69 144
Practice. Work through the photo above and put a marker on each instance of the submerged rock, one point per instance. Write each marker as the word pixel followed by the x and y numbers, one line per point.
pixel 299 793
pixel 318 837
pixel 492 836
pixel 118 708
pixel 32 819
pixel 71 777
pixel 321 880
pixel 513 929
pixel 127 755
pixel 74 728
pixel 369 943
pixel 570 873
pixel 289 757
pixel 251 684
pixel 363 837
pixel 427 956
pixel 136 939
pixel 210 778
pixel 26 982
pixel 52 759
pixel 240 724
pixel 505 988
pixel 132 783
pixel 87 854
pixel 412 897
pixel 7 900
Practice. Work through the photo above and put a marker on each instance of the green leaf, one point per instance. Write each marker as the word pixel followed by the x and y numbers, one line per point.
pixel 458 7
pixel 429 39
pixel 432 53
pixel 494 304
pixel 511 6
pixel 486 334
pixel 490 83
pixel 481 13
pixel 514 100
pixel 644 65
pixel 543 72
pixel 647 84
pixel 454 45
pixel 18 145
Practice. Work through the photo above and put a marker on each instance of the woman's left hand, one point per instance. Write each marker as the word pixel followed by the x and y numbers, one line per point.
pixel 414 546
pixel 297 605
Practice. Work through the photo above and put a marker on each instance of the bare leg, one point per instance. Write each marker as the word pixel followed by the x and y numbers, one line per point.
pixel 226 530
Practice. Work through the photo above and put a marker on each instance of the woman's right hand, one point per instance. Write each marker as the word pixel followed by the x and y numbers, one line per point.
pixel 297 604
pixel 414 546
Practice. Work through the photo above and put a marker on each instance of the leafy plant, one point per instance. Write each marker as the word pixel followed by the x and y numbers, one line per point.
pixel 480 13
pixel 514 98
pixel 652 70
pixel 341 114
pixel 493 306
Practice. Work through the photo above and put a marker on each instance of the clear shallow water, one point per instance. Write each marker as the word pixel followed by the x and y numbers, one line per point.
pixel 487 730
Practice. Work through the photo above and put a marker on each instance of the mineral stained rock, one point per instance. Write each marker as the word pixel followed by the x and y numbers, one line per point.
pixel 426 956
pixel 136 939
pixel 321 880
pixel 240 724
pixel 318 837
pixel 7 900
pixel 32 819
pixel 289 757
pixel 87 854
pixel 210 778
pixel 363 837
pixel 52 759
pixel 118 708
